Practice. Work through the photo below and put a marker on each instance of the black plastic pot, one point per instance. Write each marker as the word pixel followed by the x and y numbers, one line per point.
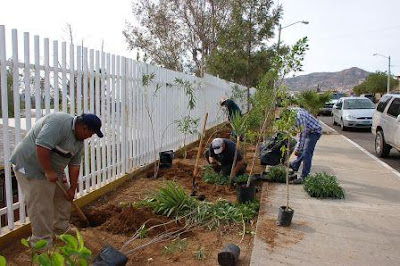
pixel 245 194
pixel 285 216
pixel 166 158
pixel 109 256
pixel 229 256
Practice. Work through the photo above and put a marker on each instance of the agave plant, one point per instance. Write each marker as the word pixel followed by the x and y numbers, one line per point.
pixel 171 199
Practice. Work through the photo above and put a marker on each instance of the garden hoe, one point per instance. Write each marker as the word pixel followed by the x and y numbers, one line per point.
pixel 196 165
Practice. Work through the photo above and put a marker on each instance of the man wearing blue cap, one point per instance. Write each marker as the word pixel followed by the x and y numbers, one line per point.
pixel 39 160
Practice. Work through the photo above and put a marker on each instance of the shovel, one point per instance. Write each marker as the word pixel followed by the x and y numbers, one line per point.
pixel 195 171
pixel 80 212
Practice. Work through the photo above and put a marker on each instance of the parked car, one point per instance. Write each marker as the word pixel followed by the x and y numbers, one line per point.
pixel 386 124
pixel 370 96
pixel 353 112
pixel 327 109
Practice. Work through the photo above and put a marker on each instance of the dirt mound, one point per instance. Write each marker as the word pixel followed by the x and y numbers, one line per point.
pixel 129 220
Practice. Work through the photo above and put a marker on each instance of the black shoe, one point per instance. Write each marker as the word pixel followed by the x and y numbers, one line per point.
pixel 297 181
pixel 292 176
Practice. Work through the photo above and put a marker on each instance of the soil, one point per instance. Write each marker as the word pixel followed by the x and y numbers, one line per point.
pixel 114 220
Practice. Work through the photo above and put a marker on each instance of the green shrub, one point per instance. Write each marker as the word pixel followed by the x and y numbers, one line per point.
pixel 170 199
pixel 323 185
pixel 277 174
pixel 73 252
pixel 3 261
pixel 241 179
pixel 211 177
pixel 225 212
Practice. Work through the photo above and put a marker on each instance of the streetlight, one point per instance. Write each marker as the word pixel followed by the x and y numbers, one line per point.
pixel 281 28
pixel 388 79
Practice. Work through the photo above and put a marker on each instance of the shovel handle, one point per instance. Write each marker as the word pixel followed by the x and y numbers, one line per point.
pixel 80 212
pixel 195 171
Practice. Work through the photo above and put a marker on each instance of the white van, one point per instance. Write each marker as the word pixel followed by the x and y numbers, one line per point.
pixel 386 124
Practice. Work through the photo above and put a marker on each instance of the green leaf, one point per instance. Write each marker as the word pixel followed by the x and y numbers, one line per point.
pixel 40 244
pixel 85 252
pixel 44 260
pixel 70 241
pixel 3 261
pixel 25 242
pixel 57 259
pixel 80 239
pixel 83 262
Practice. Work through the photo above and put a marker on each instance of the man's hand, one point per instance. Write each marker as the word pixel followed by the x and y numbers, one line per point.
pixel 51 176
pixel 297 153
pixel 215 166
pixel 71 194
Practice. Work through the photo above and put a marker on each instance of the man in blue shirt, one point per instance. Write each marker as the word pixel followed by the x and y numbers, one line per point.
pixel 310 132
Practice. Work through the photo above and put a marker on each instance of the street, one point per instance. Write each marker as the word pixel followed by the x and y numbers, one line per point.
pixel 365 139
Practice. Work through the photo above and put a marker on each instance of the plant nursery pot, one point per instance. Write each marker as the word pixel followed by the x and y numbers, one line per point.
pixel 245 194
pixel 229 256
pixel 166 158
pixel 109 256
pixel 285 216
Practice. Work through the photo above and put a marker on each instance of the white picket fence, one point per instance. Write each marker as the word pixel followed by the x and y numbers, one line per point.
pixel 77 79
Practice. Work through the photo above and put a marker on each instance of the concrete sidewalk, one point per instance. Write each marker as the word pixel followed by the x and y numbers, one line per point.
pixel 363 229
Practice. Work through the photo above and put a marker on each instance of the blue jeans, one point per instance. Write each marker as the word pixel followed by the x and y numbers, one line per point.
pixel 306 155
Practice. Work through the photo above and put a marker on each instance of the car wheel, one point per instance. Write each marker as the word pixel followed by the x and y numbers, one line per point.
pixel 381 148
pixel 342 126
pixel 334 121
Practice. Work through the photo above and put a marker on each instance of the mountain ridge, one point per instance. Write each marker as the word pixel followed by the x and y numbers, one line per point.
pixel 344 80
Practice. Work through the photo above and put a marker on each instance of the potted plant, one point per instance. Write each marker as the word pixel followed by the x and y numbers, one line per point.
pixel 286 125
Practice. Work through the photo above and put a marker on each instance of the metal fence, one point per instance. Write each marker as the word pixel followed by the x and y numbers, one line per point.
pixel 139 118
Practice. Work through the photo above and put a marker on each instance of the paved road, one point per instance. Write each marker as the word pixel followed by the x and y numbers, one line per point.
pixel 365 139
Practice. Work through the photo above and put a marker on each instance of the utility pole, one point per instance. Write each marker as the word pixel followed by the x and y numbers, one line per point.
pixel 388 74
pixel 388 80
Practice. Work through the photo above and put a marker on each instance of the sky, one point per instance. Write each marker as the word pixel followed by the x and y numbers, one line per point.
pixel 341 33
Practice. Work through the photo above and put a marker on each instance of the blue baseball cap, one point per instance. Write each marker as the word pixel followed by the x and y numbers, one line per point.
pixel 93 122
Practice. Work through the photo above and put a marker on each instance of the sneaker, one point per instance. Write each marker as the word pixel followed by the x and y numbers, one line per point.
pixel 297 181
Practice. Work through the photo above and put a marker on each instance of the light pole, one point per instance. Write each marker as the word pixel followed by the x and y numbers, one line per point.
pixel 281 28
pixel 388 79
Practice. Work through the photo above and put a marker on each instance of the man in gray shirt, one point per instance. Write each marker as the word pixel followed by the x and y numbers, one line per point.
pixel 39 160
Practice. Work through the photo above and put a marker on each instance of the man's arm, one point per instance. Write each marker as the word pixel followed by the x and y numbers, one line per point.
pixel 239 165
pixel 73 171
pixel 44 160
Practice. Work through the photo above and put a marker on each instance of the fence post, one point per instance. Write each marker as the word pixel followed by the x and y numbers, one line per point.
pixel 6 141
pixel 123 116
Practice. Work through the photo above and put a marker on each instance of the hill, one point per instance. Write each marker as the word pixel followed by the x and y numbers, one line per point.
pixel 343 80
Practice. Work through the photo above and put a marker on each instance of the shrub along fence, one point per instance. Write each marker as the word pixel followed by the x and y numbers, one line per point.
pixel 139 105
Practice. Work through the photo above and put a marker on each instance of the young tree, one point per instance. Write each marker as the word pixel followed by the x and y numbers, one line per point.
pixel 313 101
pixel 243 54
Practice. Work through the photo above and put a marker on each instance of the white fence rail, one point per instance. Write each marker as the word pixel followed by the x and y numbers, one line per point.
pixel 35 82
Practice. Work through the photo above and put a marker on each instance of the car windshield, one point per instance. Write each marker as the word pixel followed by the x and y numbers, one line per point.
pixel 358 104
pixel 337 96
